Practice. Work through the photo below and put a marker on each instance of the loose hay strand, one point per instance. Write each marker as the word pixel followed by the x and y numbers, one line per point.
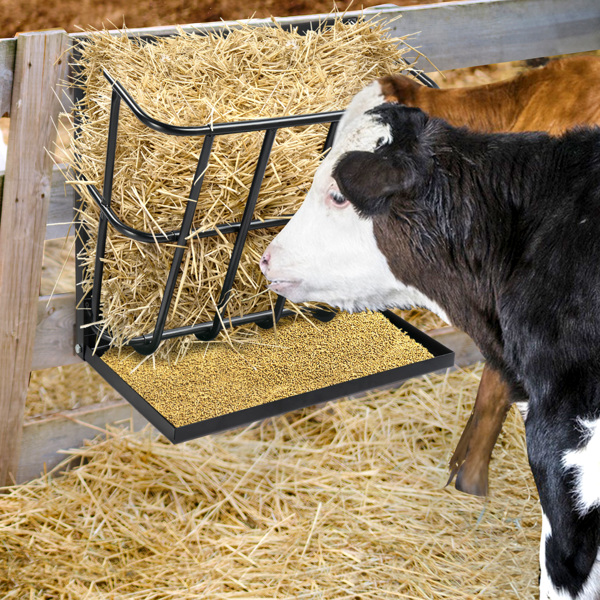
pixel 190 79
pixel 229 516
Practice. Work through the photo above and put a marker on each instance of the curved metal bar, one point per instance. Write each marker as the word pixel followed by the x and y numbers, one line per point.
pixel 146 344
pixel 422 78
pixel 172 236
pixel 220 128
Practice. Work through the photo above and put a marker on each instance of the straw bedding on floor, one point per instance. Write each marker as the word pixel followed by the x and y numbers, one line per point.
pixel 345 500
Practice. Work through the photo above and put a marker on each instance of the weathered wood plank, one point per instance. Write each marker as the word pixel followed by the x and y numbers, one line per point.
pixel 60 211
pixel 45 438
pixel 25 200
pixel 465 34
pixel 55 332
pixel 468 34
pixel 465 351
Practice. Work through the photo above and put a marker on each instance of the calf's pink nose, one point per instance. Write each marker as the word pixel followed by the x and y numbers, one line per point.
pixel 264 262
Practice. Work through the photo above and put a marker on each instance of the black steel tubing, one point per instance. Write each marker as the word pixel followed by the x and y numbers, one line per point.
pixel 275 315
pixel 172 236
pixel 330 135
pixel 146 344
pixel 422 78
pixel 236 254
pixel 220 128
pixel 190 209
pixel 111 148
pixel 321 314
pixel 201 328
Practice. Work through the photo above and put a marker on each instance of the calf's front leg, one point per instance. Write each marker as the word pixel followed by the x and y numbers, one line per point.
pixel 563 453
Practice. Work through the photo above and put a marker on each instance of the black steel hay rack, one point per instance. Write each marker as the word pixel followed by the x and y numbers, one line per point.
pixel 92 342
pixel 148 343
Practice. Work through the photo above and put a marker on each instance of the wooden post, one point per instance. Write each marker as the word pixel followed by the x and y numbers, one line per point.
pixel 39 66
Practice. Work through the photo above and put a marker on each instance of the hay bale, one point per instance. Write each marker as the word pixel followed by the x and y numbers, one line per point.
pixel 345 500
pixel 190 80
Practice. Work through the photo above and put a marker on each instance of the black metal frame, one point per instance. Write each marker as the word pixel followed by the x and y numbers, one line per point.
pixel 148 343
pixel 92 342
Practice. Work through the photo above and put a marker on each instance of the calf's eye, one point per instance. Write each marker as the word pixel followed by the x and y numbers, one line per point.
pixel 337 199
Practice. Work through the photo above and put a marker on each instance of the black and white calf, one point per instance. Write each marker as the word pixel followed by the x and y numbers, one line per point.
pixel 498 234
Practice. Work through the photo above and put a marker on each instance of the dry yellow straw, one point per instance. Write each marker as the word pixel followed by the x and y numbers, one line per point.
pixel 190 80
pixel 341 501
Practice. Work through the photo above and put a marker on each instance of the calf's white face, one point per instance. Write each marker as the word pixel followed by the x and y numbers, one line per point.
pixel 327 252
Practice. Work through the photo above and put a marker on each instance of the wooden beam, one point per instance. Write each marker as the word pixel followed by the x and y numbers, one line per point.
pixel 45 439
pixel 465 351
pixel 55 332
pixel 34 108
pixel 60 211
pixel 467 34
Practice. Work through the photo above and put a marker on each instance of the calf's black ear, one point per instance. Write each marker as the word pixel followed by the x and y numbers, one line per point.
pixel 370 181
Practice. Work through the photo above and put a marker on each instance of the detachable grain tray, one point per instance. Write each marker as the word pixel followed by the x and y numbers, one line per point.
pixel 442 358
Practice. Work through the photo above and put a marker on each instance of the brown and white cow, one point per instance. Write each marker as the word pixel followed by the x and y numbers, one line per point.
pixel 498 234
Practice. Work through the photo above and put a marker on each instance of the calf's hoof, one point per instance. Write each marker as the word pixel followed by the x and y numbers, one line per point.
pixel 472 480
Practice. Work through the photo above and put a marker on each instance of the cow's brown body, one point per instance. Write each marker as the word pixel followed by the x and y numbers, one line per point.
pixel 554 98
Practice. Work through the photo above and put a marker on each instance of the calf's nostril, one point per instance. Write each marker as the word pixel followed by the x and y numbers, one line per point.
pixel 264 262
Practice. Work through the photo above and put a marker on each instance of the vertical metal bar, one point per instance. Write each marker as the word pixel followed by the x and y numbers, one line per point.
pixel 109 168
pixel 330 136
pixel 238 247
pixel 186 225
pixel 267 323
pixel 279 307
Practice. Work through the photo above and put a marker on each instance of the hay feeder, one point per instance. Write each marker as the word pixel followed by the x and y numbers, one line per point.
pixel 93 342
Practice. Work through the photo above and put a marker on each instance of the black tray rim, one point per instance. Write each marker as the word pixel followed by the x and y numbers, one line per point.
pixel 443 358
